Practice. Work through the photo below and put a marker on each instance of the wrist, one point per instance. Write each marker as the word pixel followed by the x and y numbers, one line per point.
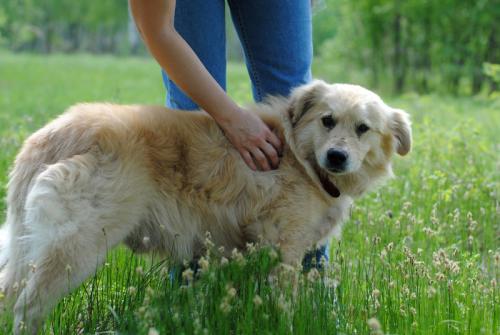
pixel 227 115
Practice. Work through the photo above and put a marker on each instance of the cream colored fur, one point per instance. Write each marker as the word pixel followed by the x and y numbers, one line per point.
pixel 103 174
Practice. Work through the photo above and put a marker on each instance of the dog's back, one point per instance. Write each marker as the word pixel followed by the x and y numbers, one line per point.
pixel 122 173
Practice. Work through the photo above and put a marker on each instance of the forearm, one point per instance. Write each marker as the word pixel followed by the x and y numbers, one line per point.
pixel 187 71
pixel 177 58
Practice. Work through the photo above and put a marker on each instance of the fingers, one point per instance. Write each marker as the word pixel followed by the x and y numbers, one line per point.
pixel 260 159
pixel 248 159
pixel 275 141
pixel 271 154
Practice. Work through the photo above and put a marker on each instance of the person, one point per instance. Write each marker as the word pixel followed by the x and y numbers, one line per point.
pixel 187 39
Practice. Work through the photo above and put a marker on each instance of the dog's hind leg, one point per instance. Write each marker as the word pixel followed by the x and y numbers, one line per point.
pixel 76 211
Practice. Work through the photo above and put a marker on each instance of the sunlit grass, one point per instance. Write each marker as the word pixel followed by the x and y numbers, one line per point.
pixel 421 255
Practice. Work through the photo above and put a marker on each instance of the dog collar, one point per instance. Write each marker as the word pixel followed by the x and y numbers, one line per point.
pixel 328 186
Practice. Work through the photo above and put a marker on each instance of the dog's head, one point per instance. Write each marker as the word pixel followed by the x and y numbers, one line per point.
pixel 347 133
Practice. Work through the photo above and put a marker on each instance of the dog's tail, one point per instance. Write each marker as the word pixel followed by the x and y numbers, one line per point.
pixel 3 246
pixel 12 251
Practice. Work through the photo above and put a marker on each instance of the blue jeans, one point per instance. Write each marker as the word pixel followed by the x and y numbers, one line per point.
pixel 276 36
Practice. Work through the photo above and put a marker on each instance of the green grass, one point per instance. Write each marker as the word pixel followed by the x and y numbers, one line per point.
pixel 421 255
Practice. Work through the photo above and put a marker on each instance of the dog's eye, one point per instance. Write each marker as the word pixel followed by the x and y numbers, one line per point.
pixel 328 121
pixel 362 128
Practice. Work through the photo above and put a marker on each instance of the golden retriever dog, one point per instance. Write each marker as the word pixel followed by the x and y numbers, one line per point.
pixel 159 180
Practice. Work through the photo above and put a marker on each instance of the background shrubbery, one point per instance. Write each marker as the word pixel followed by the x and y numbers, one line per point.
pixel 393 45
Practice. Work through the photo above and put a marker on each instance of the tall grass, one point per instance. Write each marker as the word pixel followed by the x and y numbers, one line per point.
pixel 419 256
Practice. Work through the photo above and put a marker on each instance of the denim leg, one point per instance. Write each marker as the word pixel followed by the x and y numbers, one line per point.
pixel 276 36
pixel 202 25
pixel 277 41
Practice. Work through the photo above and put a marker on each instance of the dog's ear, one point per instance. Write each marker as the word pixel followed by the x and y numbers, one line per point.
pixel 303 98
pixel 400 126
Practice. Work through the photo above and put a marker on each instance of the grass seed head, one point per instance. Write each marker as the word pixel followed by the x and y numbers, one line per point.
pixel 188 274
pixel 153 331
pixel 375 326
pixel 257 300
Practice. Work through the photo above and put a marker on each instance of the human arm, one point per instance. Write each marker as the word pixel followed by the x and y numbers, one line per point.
pixel 255 142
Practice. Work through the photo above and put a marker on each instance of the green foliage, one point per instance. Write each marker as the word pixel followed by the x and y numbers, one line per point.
pixel 412 45
pixel 492 71
pixel 63 25
pixel 419 256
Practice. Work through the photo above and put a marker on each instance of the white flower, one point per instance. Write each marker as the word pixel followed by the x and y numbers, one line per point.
pixel 257 300
pixel 153 331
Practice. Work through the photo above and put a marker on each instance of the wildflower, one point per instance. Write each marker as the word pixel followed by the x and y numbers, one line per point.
pixel 383 254
pixel 406 290
pixel 323 262
pixel 250 248
pixel 496 258
pixel 273 254
pixel 164 271
pixel 153 331
pixel 149 291
pixel 330 282
pixel 413 311
pixel 313 275
pixel 224 261
pixel 225 307
pixel 283 304
pixel 188 274
pixel 139 270
pixel 453 267
pixel 68 268
pixel 22 326
pixel 146 240
pixel 238 256
pixel 429 232
pixel 208 241
pixel 440 276
pixel 257 300
pixel 375 326
pixel 397 224
pixel 204 264
pixel 132 290
pixel 231 291
pixel 376 293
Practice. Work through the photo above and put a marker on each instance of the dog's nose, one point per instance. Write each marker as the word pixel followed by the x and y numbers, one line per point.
pixel 337 158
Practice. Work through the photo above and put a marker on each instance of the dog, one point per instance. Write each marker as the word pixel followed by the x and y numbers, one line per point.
pixel 158 180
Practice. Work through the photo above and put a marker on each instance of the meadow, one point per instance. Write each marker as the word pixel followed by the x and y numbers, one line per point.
pixel 420 255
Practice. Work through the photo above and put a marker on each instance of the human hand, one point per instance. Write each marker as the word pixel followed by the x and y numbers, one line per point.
pixel 259 147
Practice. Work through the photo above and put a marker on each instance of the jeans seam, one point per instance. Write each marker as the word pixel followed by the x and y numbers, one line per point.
pixel 244 40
